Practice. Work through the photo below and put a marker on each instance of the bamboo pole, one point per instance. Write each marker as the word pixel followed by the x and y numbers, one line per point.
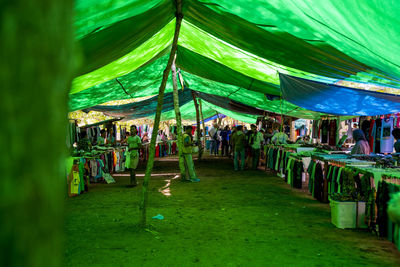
pixel 204 126
pixel 157 118
pixel 196 105
pixel 178 121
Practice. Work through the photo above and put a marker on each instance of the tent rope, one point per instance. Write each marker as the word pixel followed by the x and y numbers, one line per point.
pixel 123 88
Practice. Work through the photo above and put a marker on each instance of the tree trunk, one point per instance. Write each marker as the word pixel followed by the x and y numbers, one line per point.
pixel 157 118
pixel 178 122
pixel 204 126
pixel 198 125
pixel 36 66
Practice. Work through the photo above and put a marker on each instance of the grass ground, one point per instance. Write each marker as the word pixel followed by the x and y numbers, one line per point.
pixel 248 218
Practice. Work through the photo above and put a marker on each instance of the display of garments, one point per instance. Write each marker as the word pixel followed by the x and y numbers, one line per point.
pixel 324 131
pixel 93 167
pixel 370 136
pixel 381 203
pixel 377 134
pixel 297 174
pixel 315 128
pixel 318 182
pixel 365 127
pixel 387 139
pixel 332 133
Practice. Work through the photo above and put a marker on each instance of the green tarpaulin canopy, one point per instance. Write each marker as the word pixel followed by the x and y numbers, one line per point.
pixel 234 49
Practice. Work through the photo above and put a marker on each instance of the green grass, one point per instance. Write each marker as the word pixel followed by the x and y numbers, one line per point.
pixel 248 218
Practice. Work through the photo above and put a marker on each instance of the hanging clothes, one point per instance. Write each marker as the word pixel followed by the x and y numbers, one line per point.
pixel 365 127
pixel 324 131
pixel 332 132
pixel 387 139
pixel 377 134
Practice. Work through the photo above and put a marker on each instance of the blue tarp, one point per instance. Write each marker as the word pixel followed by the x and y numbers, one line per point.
pixel 211 118
pixel 335 99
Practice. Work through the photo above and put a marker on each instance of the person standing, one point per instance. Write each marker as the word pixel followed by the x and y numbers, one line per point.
pixel 134 144
pixel 233 132
pixel 225 141
pixel 214 137
pixel 279 138
pixel 111 138
pixel 396 135
pixel 187 153
pixel 238 141
pixel 248 144
pixel 101 140
pixel 362 145
pixel 256 146
pixel 218 141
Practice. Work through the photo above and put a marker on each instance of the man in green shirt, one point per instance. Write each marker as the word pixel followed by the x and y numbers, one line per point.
pixel 187 153
pixel 258 138
pixel 134 144
pixel 238 142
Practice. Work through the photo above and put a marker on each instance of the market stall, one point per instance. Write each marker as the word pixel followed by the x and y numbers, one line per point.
pixel 357 187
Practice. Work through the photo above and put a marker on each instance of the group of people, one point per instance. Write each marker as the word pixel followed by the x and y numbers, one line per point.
pixel 244 144
pixel 362 144
pixel 220 137
pixel 134 143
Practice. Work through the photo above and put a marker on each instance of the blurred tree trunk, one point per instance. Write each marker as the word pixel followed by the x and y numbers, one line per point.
pixel 35 76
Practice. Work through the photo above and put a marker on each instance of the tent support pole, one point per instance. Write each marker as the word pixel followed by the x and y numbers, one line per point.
pixel 196 105
pixel 204 126
pixel 178 122
pixel 150 162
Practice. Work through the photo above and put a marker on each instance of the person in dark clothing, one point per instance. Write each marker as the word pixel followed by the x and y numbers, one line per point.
pixel 225 141
pixel 396 135
pixel 249 143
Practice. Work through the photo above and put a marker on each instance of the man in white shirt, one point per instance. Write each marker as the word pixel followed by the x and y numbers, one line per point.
pixel 257 138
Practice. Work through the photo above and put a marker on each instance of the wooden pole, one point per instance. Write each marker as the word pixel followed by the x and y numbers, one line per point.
pixel 157 118
pixel 196 105
pixel 178 122
pixel 204 125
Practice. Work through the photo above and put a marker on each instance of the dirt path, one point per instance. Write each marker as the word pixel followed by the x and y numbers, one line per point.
pixel 249 218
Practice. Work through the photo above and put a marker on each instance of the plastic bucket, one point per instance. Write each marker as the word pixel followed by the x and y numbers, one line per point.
pixel 343 214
